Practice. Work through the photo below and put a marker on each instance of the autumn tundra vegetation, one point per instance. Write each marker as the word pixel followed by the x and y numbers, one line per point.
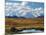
pixel 20 23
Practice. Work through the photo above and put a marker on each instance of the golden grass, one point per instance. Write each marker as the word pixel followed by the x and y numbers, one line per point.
pixel 20 23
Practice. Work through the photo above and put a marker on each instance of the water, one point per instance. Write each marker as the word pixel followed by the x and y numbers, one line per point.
pixel 32 31
pixel 27 31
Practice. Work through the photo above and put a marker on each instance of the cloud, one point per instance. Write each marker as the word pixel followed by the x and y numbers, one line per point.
pixel 24 3
pixel 37 11
pixel 20 9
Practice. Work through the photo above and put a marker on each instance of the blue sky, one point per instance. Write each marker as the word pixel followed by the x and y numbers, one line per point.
pixel 30 4
pixel 35 4
pixel 34 9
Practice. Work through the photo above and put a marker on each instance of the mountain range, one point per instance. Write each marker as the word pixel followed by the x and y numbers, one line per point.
pixel 21 17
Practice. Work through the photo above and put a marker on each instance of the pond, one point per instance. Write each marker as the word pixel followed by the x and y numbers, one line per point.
pixel 32 31
pixel 25 32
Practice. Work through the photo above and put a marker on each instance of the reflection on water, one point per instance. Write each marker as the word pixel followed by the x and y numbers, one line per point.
pixel 33 30
pixel 27 31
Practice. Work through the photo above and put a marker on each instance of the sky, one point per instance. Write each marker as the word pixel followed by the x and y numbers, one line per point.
pixel 24 9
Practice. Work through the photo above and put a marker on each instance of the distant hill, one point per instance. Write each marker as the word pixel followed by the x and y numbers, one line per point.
pixel 40 17
pixel 13 17
pixel 21 17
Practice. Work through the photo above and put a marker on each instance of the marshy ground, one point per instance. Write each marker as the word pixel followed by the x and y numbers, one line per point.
pixel 24 24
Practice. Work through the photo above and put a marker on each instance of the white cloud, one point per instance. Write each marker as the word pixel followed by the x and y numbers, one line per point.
pixel 37 11
pixel 24 3
pixel 22 9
